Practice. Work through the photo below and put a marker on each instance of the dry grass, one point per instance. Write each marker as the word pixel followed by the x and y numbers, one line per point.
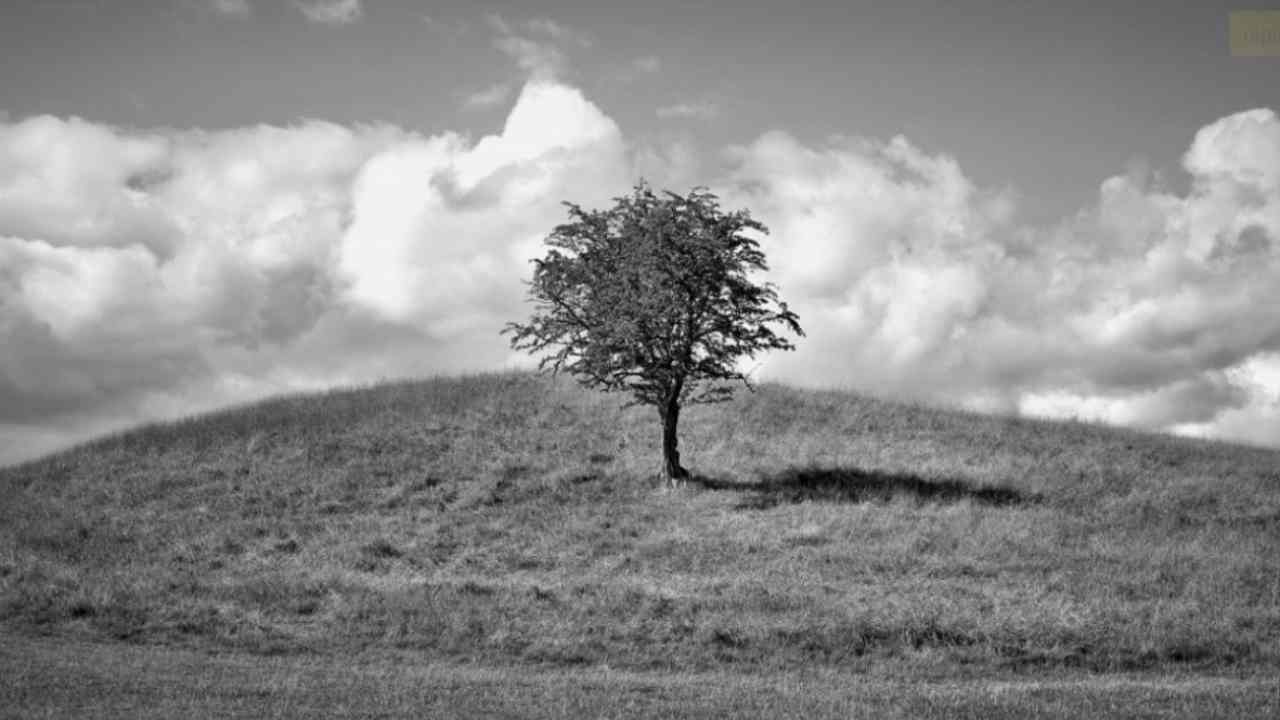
pixel 514 520
pixel 49 678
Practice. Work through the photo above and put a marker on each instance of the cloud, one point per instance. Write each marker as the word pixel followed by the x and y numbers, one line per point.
pixel 1140 310
pixel 1257 420
pixel 671 162
pixel 233 8
pixel 403 256
pixel 50 189
pixel 702 110
pixel 537 46
pixel 491 96
pixel 559 32
pixel 148 274
pixel 152 274
pixel 331 12
pixel 539 60
pixel 163 253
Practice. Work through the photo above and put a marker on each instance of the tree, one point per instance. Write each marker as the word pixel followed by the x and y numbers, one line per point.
pixel 653 297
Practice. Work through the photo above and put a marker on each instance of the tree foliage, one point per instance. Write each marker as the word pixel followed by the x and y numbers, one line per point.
pixel 653 296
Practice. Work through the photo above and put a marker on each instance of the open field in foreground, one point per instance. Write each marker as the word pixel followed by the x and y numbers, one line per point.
pixel 50 678
pixel 514 523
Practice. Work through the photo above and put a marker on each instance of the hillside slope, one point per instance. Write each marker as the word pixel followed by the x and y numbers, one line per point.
pixel 515 519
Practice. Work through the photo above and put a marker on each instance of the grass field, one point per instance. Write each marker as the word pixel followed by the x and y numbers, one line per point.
pixel 70 679
pixel 507 532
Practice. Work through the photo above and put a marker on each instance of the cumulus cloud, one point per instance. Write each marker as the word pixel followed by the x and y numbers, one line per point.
pixel 886 251
pixel 443 256
pixel 331 12
pixel 147 274
pixel 150 274
pixel 1257 420
pixel 1140 310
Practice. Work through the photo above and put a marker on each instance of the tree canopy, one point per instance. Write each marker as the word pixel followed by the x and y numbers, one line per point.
pixel 654 296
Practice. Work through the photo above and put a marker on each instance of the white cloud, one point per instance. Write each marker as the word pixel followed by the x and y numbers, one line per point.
pixel 701 110
pixel 234 8
pixel 331 12
pixel 1257 420
pixel 885 251
pixel 1140 310
pixel 404 255
pixel 50 189
pixel 146 274
pixel 1193 401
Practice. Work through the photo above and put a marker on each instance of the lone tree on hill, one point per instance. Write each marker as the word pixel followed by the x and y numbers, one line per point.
pixel 652 296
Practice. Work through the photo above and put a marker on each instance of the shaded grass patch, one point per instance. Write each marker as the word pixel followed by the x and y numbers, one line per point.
pixel 855 485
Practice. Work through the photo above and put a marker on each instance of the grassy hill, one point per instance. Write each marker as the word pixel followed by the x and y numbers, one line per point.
pixel 516 521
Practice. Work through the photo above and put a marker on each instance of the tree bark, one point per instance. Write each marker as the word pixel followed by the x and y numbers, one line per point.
pixel 670 412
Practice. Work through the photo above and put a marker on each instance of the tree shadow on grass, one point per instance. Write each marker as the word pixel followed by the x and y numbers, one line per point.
pixel 854 485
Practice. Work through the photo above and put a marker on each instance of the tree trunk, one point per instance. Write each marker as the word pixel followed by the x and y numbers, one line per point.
pixel 675 474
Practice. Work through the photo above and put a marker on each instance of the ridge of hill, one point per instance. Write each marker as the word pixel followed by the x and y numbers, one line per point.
pixel 512 519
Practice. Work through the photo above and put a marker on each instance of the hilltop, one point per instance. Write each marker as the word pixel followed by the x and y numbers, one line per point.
pixel 513 520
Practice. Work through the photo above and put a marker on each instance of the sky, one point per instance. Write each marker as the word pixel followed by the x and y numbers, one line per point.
pixel 1014 207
